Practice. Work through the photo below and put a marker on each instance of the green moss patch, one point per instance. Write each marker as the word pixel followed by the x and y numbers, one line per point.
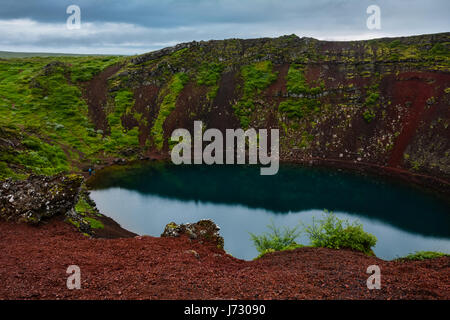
pixel 371 103
pixel 256 77
pixel 209 75
pixel 172 91
pixel 424 255
pixel 94 223
pixel 297 84
pixel 298 108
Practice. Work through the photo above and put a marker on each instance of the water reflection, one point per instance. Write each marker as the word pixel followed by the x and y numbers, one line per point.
pixel 144 199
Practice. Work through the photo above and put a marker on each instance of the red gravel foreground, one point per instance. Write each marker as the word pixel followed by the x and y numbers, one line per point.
pixel 34 260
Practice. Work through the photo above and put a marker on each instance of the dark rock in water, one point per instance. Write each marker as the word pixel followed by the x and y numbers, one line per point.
pixel 38 197
pixel 203 230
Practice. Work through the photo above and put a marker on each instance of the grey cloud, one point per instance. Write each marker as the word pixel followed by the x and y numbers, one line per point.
pixel 173 13
pixel 139 25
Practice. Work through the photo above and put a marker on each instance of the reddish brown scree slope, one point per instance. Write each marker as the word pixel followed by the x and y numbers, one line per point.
pixel 34 260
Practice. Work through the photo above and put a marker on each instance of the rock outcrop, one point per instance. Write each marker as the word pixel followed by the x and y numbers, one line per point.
pixel 203 230
pixel 38 197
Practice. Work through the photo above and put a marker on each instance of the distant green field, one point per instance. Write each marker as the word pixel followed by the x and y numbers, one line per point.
pixel 8 54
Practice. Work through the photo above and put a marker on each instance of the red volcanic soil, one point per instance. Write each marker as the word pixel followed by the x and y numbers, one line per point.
pixel 414 88
pixel 95 95
pixel 34 260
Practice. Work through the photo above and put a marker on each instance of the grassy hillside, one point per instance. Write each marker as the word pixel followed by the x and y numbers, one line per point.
pixel 44 124
pixel 382 102
pixel 11 54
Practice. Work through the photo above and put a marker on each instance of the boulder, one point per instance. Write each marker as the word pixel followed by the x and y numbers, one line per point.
pixel 38 197
pixel 203 230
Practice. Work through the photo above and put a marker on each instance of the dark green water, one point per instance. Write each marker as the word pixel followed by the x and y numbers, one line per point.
pixel 144 198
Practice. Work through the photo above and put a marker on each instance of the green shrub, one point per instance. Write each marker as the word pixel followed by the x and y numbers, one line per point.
pixel 368 115
pixel 422 255
pixel 372 98
pixel 332 232
pixel 276 240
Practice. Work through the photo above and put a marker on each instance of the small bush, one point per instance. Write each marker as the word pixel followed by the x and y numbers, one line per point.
pixel 332 232
pixel 372 98
pixel 276 240
pixel 368 115
pixel 423 255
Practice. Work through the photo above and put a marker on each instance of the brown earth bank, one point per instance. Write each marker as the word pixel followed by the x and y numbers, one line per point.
pixel 34 261
pixel 95 96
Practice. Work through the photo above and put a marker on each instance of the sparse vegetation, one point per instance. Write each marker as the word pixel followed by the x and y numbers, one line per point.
pixel 423 255
pixel 303 102
pixel 368 115
pixel 277 240
pixel 371 103
pixel 209 75
pixel 256 77
pixel 298 108
pixel 328 232
pixel 334 233
pixel 297 84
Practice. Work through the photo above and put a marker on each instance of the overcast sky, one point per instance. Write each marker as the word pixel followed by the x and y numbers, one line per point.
pixel 138 26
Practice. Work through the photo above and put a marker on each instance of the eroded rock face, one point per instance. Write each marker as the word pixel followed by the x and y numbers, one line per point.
pixel 203 230
pixel 38 197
